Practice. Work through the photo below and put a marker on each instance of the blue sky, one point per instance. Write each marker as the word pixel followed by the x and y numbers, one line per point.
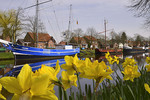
pixel 89 13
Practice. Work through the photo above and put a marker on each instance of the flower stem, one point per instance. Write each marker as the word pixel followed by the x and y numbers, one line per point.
pixel 79 84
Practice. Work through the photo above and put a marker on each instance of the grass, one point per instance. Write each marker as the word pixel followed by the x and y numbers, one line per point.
pixel 6 55
pixel 5 62
pixel 87 53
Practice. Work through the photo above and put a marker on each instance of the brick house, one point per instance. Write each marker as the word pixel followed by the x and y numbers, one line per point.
pixel 44 40
pixel 79 40
pixel 62 43
pixel 92 41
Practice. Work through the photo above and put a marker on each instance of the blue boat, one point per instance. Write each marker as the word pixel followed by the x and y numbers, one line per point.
pixel 35 66
pixel 19 50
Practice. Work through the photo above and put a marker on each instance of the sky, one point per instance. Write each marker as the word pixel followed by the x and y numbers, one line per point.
pixel 88 13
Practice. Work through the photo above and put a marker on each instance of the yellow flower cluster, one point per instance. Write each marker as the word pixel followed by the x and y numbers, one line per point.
pixel 110 59
pixel 29 85
pixel 147 88
pixel 96 71
pixel 148 62
pixel 129 61
pixel 130 70
pixel 87 69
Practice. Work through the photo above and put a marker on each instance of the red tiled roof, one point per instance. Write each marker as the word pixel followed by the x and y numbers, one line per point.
pixel 63 42
pixel 80 38
pixel 42 37
pixel 90 38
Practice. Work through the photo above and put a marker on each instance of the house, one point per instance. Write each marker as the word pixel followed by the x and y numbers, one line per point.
pixel 44 40
pixel 62 43
pixel 80 41
pixel 91 41
pixel 20 42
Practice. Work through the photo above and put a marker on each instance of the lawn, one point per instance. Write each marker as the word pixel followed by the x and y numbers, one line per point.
pixel 6 55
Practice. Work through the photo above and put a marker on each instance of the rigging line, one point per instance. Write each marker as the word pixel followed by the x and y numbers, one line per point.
pixel 56 19
pixel 27 11
pixel 51 25
pixel 37 4
pixel 57 22
pixel 53 30
pixel 60 3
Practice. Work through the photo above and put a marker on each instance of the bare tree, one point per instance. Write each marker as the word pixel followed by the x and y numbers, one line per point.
pixel 91 32
pixel 29 25
pixel 67 35
pixel 78 32
pixel 142 9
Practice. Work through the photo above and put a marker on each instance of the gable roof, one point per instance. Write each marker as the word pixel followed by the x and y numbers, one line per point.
pixel 42 37
pixel 63 43
pixel 90 38
pixel 20 40
pixel 80 38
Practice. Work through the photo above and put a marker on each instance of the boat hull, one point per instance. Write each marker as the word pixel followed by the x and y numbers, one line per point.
pixel 133 51
pixel 111 51
pixel 32 51
pixel 147 50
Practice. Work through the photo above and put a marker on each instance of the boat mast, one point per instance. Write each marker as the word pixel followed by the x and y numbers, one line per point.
pixel 36 21
pixel 69 23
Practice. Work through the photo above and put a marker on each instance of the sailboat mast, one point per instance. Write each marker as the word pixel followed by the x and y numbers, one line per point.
pixel 69 23
pixel 105 32
pixel 36 21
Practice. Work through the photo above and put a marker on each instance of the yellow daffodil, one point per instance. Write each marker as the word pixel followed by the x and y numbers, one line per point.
pixel 130 72
pixel 52 73
pixel 107 55
pixel 72 65
pixel 110 59
pixel 129 61
pixel 97 71
pixel 148 60
pixel 88 63
pixel 1 96
pixel 28 87
pixel 116 60
pixel 68 80
pixel 51 87
pixel 147 88
pixel 148 68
